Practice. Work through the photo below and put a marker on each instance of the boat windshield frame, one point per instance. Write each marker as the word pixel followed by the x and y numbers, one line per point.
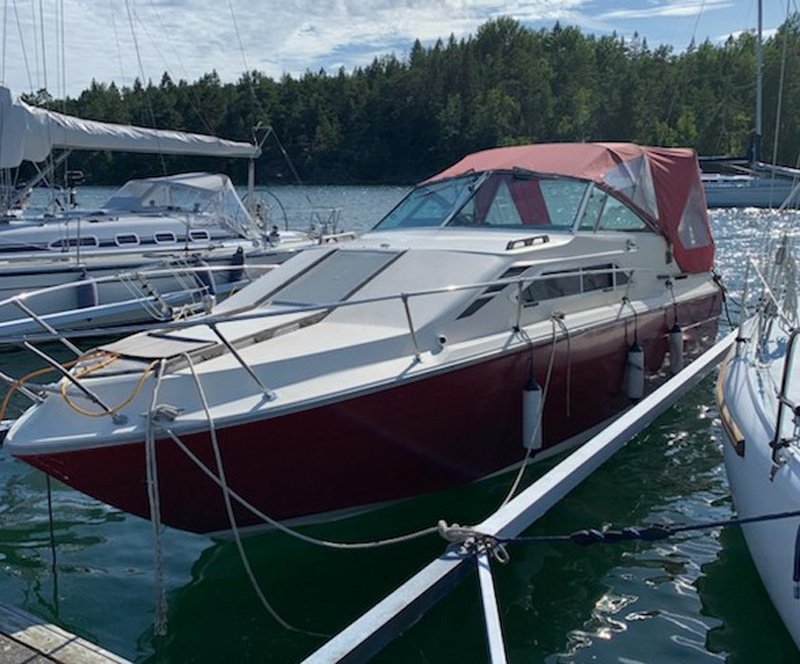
pixel 493 198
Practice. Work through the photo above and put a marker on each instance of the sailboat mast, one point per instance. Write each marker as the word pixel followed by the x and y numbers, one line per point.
pixel 756 154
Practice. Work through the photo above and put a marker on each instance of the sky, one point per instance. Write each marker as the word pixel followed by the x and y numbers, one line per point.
pixel 63 45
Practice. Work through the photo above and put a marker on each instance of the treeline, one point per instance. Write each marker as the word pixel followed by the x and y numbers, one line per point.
pixel 401 119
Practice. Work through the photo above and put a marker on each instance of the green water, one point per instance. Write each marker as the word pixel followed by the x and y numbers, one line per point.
pixel 693 598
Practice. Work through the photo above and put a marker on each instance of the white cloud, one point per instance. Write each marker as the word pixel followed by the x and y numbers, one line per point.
pixel 681 8
pixel 188 38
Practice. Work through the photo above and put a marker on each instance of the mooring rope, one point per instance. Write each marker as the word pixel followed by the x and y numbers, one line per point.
pixel 723 289
pixel 154 500
pixel 282 527
pixel 232 517
pixel 472 539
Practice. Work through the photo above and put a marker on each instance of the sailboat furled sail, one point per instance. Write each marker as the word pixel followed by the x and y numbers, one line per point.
pixel 28 133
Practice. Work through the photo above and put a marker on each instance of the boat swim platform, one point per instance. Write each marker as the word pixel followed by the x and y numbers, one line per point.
pixel 26 638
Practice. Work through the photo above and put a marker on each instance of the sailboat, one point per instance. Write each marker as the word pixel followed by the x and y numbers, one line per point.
pixel 166 225
pixel 749 181
pixel 758 395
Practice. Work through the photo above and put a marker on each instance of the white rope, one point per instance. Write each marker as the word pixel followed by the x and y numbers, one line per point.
pixel 280 526
pixel 232 517
pixel 151 465
pixel 560 320
pixel 545 388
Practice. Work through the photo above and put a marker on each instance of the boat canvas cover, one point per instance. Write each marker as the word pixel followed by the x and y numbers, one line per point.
pixel 662 184
pixel 28 133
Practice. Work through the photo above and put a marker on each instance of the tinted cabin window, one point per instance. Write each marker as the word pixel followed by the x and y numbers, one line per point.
pixel 164 237
pixel 548 289
pixel 486 296
pixel 126 239
pixel 199 236
pixel 582 280
pixel 71 243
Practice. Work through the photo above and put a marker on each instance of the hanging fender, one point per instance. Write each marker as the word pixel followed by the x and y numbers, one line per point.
pixel 237 264
pixel 634 372
pixel 86 292
pixel 676 344
pixel 532 415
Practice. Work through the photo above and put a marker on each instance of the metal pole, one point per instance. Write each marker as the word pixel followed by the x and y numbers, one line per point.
pixel 491 614
pixel 66 374
pixel 49 328
pixel 404 297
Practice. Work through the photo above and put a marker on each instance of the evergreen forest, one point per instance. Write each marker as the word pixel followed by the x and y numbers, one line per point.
pixel 401 119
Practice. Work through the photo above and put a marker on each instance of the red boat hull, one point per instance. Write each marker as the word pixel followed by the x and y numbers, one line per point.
pixel 449 428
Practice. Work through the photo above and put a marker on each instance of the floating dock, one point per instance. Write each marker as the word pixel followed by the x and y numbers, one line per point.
pixel 26 638
pixel 390 617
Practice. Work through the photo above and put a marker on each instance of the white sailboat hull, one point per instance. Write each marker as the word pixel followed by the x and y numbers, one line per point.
pixel 748 407
pixel 762 191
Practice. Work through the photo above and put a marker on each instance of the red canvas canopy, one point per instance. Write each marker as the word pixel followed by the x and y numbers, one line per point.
pixel 662 184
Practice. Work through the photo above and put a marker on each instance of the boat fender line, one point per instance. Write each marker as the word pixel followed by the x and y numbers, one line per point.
pixel 558 317
pixel 796 570
pixel 237 263
pixel 676 347
pixel 532 415
pixel 86 292
pixel 530 452
pixel 634 372
pixel 716 277
pixel 671 287
pixel 205 276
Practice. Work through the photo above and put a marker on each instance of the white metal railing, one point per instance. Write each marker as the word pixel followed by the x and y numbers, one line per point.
pixel 784 402
pixel 258 312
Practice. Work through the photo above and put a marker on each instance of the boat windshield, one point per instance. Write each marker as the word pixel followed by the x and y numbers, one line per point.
pixel 210 199
pixel 502 199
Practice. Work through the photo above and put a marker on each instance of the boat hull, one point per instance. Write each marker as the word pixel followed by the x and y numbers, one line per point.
pixel 747 191
pixel 759 489
pixel 451 426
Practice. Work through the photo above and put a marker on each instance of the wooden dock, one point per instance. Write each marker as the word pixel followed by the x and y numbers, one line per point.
pixel 26 638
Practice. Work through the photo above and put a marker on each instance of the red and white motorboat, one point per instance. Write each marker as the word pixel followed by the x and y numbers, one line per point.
pixel 411 360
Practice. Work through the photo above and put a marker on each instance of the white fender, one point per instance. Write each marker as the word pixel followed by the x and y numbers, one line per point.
pixel 532 415
pixel 675 349
pixel 634 372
